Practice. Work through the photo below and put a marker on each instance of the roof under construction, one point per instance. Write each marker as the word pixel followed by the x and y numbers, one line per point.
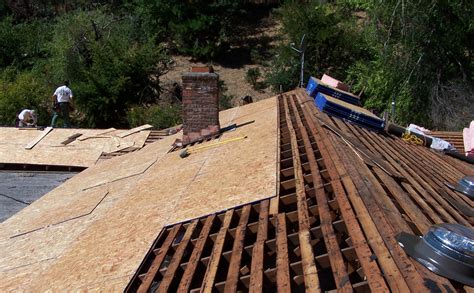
pixel 295 201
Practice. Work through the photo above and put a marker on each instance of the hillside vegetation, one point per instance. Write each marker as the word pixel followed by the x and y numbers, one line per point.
pixel 120 54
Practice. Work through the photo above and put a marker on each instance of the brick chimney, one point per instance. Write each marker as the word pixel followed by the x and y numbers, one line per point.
pixel 200 104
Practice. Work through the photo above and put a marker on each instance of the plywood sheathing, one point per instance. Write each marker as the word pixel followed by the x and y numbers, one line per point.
pixel 50 151
pixel 148 189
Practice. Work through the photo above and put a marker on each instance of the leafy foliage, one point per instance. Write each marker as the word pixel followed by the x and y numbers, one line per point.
pixel 418 49
pixel 419 53
pixel 22 44
pixel 225 100
pixel 202 29
pixel 23 90
pixel 160 116
pixel 331 42
pixel 252 75
pixel 110 70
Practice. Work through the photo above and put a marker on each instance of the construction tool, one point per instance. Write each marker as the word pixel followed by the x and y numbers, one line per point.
pixel 187 152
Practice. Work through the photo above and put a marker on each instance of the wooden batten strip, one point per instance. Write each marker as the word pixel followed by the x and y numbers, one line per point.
pixel 258 252
pixel 432 196
pixel 274 203
pixel 196 255
pixel 177 257
pixel 416 192
pixel 311 279
pixel 160 256
pixel 134 130
pixel 210 275
pixel 410 273
pixel 405 202
pixel 436 176
pixel 237 250
pixel 282 262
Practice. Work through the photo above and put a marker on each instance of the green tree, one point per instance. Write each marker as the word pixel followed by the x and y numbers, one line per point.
pixel 23 90
pixel 160 116
pixel 110 66
pixel 202 29
pixel 422 54
pixel 331 42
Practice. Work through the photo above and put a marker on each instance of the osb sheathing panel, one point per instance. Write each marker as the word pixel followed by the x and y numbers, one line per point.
pixel 18 280
pixel 86 188
pixel 50 151
pixel 147 189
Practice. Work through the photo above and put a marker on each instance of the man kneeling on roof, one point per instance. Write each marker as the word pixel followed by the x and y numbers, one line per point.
pixel 27 118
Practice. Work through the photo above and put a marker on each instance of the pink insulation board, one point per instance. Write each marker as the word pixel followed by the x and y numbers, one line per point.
pixel 334 83
pixel 468 137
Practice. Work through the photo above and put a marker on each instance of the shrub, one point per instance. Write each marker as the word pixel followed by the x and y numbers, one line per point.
pixel 202 29
pixel 160 116
pixel 331 42
pixel 23 90
pixel 109 68
pixel 252 75
pixel 225 100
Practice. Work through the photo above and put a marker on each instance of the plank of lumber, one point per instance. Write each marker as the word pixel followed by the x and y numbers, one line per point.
pixel 98 135
pixel 258 252
pixel 134 130
pixel 39 138
pixel 210 275
pixel 282 261
pixel 176 260
pixel 237 249
pixel 71 138
pixel 311 280
pixel 417 193
pixel 196 255
pixel 341 276
pixel 160 256
pixel 404 200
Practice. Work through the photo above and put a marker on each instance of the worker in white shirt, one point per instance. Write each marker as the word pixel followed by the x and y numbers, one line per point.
pixel 27 118
pixel 62 100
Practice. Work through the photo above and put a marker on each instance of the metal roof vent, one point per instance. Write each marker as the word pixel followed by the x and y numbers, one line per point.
pixel 447 250
pixel 466 186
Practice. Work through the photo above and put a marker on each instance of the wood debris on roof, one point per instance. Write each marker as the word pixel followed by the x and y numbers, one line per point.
pixel 84 151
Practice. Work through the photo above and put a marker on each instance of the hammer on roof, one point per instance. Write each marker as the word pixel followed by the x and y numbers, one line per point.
pixel 187 152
